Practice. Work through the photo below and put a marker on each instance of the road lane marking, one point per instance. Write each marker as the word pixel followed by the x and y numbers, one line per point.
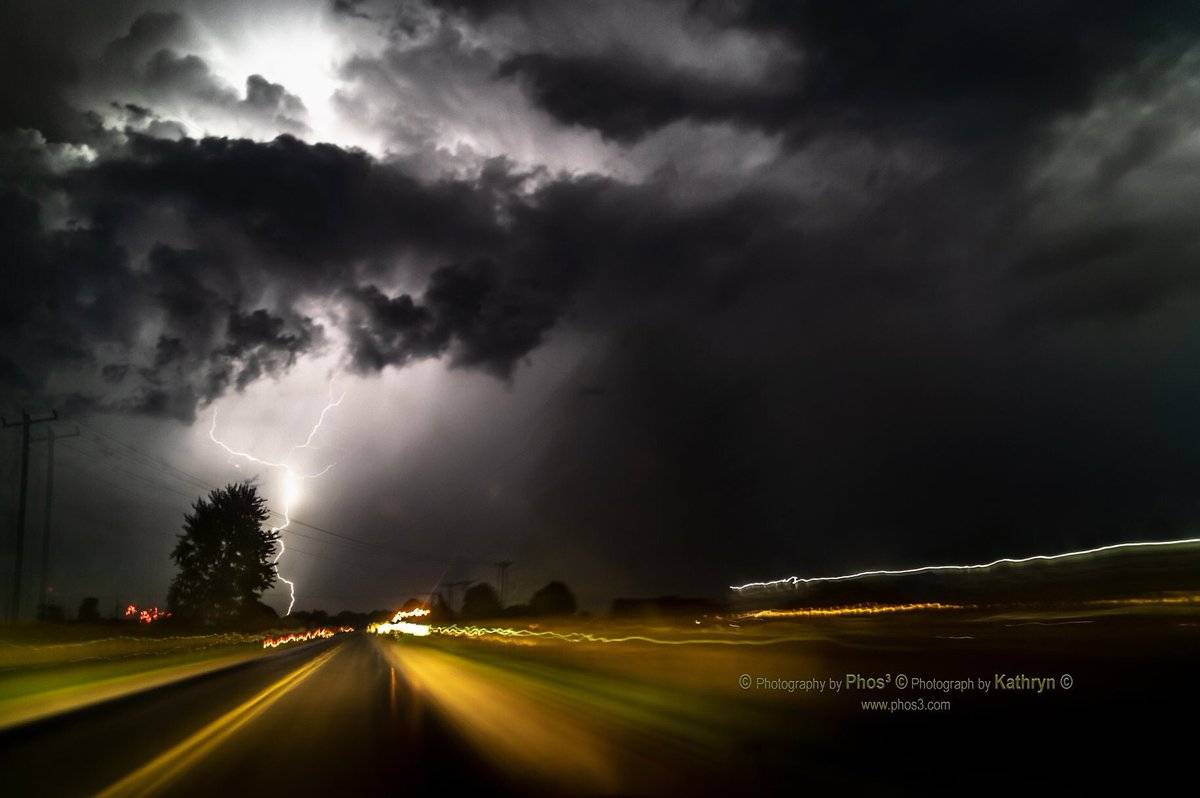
pixel 392 693
pixel 38 705
pixel 156 773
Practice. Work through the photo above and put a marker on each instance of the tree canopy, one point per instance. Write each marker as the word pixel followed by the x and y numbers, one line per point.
pixel 224 556
pixel 89 610
pixel 553 599
pixel 481 601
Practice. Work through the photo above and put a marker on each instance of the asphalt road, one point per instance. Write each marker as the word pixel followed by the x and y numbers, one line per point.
pixel 333 718
pixel 327 718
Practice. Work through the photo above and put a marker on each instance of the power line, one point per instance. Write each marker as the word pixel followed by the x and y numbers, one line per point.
pixel 150 489
pixel 51 437
pixel 152 458
pixel 152 482
pixel 165 477
pixel 200 482
pixel 18 561
pixel 503 566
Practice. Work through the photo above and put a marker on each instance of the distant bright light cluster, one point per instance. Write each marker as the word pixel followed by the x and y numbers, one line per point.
pixel 400 623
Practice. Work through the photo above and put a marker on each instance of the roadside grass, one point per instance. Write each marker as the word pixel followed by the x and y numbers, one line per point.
pixel 49 669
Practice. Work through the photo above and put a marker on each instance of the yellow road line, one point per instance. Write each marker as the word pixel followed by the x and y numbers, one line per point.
pixel 156 773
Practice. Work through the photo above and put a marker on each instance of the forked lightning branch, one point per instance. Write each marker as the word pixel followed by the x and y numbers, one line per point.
pixel 291 480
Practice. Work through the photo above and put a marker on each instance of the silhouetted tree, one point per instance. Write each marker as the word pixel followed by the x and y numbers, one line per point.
pixel 312 618
pixel 349 618
pixel 224 557
pixel 256 616
pixel 481 601
pixel 379 616
pixel 517 611
pixel 553 599
pixel 440 610
pixel 89 610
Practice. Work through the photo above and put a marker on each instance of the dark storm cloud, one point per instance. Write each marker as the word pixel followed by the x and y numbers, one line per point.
pixel 65 289
pixel 950 314
pixel 492 325
pixel 944 68
pixel 114 372
pixel 185 75
pixel 907 371
pixel 312 212
pixel 41 65
pixel 625 100
pixel 262 344
pixel 317 207
pixel 351 8
pixel 74 292
pixel 314 216
pixel 318 218
pixel 149 35
pixel 482 9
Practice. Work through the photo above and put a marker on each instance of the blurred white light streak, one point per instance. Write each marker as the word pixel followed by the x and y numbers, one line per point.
pixel 797 580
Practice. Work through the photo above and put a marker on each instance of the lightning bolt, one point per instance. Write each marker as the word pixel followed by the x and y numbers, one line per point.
pixel 291 480
pixel 793 581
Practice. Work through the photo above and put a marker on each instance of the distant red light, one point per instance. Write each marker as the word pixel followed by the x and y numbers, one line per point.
pixel 148 615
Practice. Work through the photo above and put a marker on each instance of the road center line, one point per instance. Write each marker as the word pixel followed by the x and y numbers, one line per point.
pixel 156 773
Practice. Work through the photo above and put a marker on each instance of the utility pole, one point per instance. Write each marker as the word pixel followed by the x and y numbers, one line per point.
pixel 453 585
pixel 503 568
pixel 51 436
pixel 25 423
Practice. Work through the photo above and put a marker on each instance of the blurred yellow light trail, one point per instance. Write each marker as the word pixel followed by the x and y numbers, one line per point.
pixel 523 725
pixel 303 637
pixel 454 630
pixel 797 580
pixel 586 637
pixel 404 627
pixel 862 609
pixel 1150 600
pixel 158 772
pixel 509 634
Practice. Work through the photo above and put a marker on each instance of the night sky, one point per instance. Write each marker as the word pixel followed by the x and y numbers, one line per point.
pixel 651 297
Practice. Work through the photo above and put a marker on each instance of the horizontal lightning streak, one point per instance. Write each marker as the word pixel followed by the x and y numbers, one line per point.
pixel 797 580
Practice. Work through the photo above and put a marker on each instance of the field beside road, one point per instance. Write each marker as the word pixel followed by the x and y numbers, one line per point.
pixel 892 699
pixel 897 700
pixel 49 669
